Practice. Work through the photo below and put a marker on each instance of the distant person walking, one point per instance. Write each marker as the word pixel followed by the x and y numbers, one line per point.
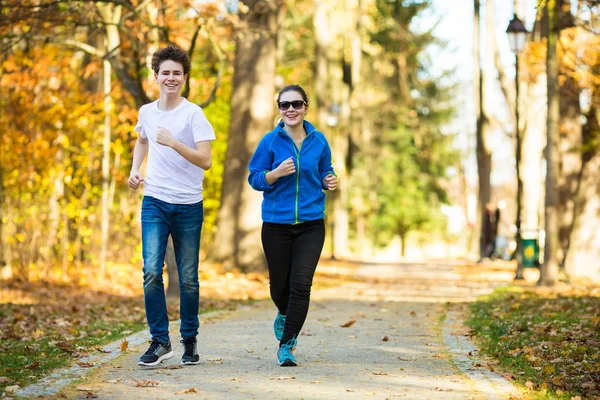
pixel 176 136
pixel 292 166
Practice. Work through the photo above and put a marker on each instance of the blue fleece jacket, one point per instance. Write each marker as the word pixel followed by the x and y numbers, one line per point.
pixel 298 197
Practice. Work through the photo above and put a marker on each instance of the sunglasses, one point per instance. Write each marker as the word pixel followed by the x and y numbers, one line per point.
pixel 297 104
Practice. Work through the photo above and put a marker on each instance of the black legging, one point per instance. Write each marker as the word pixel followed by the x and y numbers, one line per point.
pixel 292 253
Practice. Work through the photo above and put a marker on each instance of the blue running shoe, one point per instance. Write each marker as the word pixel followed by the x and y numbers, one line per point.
pixel 285 356
pixel 278 325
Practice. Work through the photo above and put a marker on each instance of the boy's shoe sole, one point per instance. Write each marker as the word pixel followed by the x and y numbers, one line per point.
pixel 162 358
pixel 190 362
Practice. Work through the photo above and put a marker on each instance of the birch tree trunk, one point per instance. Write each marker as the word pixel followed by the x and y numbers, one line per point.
pixel 111 15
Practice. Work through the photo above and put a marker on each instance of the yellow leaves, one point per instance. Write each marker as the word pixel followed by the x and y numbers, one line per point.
pixel 549 369
pixel 38 333
pixel 188 391
pixel 124 345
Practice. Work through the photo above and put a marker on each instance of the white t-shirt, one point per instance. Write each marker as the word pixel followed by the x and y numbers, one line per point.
pixel 169 176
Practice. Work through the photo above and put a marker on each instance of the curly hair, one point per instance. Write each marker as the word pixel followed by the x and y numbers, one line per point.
pixel 293 88
pixel 172 53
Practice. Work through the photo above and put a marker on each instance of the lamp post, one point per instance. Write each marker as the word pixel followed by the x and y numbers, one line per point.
pixel 517 34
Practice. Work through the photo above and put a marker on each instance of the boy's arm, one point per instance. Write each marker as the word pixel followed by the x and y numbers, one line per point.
pixel 200 156
pixel 140 151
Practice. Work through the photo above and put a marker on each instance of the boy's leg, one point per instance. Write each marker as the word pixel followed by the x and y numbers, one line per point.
pixel 155 233
pixel 186 228
pixel 277 244
pixel 306 251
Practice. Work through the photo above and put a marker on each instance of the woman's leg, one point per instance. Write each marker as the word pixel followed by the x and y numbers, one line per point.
pixel 306 251
pixel 277 245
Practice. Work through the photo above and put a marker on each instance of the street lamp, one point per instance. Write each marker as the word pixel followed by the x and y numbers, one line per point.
pixel 517 34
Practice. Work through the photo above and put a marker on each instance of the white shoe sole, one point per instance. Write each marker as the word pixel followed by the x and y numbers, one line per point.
pixel 190 363
pixel 160 359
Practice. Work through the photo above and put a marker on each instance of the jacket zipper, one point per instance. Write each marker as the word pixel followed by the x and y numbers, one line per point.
pixel 297 152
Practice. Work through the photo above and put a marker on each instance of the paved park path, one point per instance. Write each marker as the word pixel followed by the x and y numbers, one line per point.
pixel 405 342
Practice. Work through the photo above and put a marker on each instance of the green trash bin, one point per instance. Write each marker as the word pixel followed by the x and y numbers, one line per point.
pixel 530 252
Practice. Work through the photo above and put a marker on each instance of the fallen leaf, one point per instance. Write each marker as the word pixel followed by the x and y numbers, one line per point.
pixel 413 314
pixel 174 366
pixel 144 383
pixel 379 373
pixel 385 338
pixel 317 382
pixel 306 332
pixel 113 380
pixel 214 359
pixel 84 389
pixel 282 378
pixel 508 376
pixel 101 350
pixel 348 324
pixel 33 365
pixel 90 395
pixel 124 345
pixel 12 389
pixel 530 385
pixel 66 347
pixel 37 334
pixel 439 389
pixel 85 364
pixel 190 390
pixel 350 390
pixel 406 359
pixel 4 379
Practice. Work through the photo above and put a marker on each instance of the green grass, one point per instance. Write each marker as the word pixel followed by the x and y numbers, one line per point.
pixel 26 362
pixel 551 341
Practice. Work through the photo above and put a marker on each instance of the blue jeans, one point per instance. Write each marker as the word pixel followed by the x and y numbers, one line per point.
pixel 184 223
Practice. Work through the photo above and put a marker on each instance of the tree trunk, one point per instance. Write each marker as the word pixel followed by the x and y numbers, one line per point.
pixel 570 145
pixel 111 15
pixel 238 243
pixel 584 250
pixel 549 270
pixel 484 156
pixel 570 163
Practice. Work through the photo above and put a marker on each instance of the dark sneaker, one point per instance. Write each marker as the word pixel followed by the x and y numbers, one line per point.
pixel 285 357
pixel 157 353
pixel 278 325
pixel 190 352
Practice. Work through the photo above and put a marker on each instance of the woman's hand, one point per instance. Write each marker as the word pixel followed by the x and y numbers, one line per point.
pixel 330 182
pixel 285 168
